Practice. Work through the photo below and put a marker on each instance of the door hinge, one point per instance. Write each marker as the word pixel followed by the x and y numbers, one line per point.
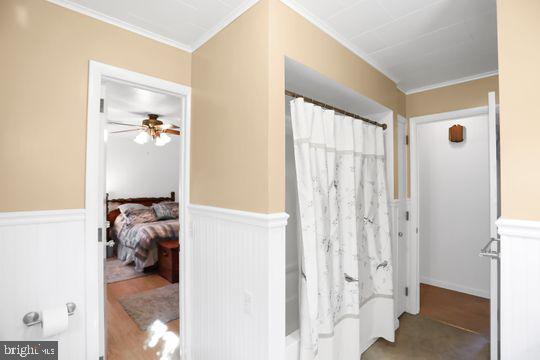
pixel 101 105
pixel 101 357
pixel 407 215
pixel 406 291
pixel 406 139
pixel 99 234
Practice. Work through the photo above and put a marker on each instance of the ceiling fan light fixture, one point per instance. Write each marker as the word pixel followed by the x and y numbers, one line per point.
pixel 162 139
pixel 141 138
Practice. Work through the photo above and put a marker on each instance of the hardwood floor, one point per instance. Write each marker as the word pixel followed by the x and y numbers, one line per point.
pixel 125 339
pixel 461 310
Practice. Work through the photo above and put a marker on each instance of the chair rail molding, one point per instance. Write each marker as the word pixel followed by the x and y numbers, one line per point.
pixel 519 288
pixel 238 264
pixel 40 217
pixel 519 228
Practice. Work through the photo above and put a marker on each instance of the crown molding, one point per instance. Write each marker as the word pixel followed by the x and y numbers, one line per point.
pixel 449 83
pixel 201 40
pixel 120 23
pixel 306 14
pixel 245 6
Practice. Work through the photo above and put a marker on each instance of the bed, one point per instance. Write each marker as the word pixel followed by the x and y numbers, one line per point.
pixel 136 240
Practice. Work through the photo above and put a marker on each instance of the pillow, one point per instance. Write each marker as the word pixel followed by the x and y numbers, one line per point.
pixel 138 216
pixel 166 210
pixel 114 205
pixel 130 206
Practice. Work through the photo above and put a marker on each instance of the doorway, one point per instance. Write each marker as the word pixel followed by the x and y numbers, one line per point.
pixel 454 200
pixel 100 225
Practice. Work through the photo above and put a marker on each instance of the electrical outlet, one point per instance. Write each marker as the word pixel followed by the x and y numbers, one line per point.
pixel 248 302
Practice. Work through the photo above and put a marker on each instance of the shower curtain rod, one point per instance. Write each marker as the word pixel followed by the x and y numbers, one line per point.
pixel 330 107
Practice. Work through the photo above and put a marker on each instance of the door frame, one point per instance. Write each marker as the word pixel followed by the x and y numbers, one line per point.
pixel 413 301
pixel 402 200
pixel 95 146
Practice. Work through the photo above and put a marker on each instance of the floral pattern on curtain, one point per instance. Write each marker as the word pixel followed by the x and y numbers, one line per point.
pixel 345 241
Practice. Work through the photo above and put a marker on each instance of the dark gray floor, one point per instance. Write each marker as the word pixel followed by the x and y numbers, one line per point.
pixel 421 338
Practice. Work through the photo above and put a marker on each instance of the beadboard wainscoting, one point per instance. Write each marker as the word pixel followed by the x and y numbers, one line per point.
pixel 42 265
pixel 519 289
pixel 237 291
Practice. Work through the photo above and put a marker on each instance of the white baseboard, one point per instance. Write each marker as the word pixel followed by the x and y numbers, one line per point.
pixel 455 287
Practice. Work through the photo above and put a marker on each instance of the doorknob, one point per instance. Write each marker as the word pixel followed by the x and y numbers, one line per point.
pixel 487 252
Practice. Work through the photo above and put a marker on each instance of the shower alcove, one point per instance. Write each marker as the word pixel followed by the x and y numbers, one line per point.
pixel 303 80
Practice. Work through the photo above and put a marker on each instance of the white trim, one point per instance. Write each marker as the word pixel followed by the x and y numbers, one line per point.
pixel 413 305
pixel 201 40
pixel 306 14
pixel 121 24
pixel 454 287
pixel 95 148
pixel 494 214
pixel 40 217
pixel 242 217
pixel 450 82
pixel 525 229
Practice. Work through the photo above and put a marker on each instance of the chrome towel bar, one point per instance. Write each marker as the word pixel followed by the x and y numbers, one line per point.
pixel 487 252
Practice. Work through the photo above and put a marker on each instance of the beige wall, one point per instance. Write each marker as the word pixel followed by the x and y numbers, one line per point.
pixel 43 96
pixel 238 109
pixel 230 115
pixel 519 72
pixel 466 95
pixel 293 36
pixel 238 139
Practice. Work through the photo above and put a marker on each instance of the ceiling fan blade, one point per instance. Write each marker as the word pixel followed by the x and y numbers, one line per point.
pixel 122 131
pixel 173 132
pixel 123 124
pixel 139 113
pixel 169 126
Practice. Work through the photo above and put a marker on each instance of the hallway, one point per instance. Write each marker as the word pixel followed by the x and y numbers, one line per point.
pixel 451 325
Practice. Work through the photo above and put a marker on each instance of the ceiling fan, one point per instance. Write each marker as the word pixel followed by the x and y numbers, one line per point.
pixel 150 128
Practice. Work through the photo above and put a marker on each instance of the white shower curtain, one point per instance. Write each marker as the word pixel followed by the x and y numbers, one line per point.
pixel 346 292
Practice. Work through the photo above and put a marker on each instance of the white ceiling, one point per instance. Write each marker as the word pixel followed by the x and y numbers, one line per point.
pixel 185 24
pixel 129 104
pixel 417 43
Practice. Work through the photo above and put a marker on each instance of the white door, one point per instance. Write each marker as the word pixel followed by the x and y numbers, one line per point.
pixel 402 246
pixel 491 250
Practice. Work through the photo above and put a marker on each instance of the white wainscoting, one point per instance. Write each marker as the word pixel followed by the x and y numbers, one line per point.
pixel 42 265
pixel 520 289
pixel 238 284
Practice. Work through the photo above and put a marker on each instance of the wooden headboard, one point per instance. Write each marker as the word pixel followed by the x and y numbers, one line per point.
pixel 146 201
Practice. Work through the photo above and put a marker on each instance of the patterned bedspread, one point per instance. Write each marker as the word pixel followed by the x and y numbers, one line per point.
pixel 142 237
